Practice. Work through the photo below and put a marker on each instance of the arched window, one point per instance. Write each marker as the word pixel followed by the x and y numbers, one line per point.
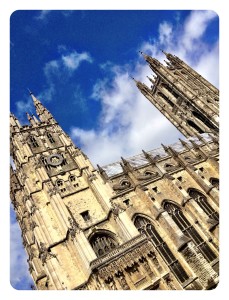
pixel 50 138
pixel 178 217
pixel 72 178
pixel 215 182
pixel 166 99
pixel 60 184
pixel 203 119
pixel 145 226
pixel 196 127
pixel 102 243
pixel 169 89
pixel 33 141
pixel 203 203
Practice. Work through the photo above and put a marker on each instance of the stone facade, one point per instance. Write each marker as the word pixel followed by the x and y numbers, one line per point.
pixel 144 223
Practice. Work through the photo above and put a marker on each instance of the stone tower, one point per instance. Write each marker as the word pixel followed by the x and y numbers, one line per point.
pixel 183 96
pixel 144 223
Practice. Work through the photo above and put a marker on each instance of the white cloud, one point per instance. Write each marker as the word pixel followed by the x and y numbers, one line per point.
pixel 165 32
pixel 51 68
pixel 17 257
pixel 42 15
pixel 23 106
pixel 128 121
pixel 73 60
pixel 195 26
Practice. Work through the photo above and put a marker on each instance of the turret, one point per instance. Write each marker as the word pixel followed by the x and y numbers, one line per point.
pixel 42 112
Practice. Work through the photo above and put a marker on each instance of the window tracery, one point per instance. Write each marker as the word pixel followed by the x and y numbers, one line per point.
pixel 102 243
pixel 50 138
pixel 201 200
pixel 144 226
pixel 187 228
pixel 33 141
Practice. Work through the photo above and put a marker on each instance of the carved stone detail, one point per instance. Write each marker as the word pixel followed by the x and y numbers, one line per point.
pixel 74 228
pixel 44 253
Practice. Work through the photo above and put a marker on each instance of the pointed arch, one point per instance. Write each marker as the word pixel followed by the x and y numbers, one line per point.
pixel 102 242
pixel 50 137
pixel 33 141
pixel 170 90
pixel 202 201
pixel 163 96
pixel 145 226
pixel 203 119
pixel 195 126
pixel 188 229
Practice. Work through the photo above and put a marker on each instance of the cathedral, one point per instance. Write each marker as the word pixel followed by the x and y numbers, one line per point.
pixel 147 222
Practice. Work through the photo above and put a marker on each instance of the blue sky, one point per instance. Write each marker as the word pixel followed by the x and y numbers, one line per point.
pixel 80 65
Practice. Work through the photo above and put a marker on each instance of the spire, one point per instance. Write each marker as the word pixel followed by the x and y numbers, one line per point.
pixel 14 121
pixel 31 120
pixel 42 112
pixel 151 79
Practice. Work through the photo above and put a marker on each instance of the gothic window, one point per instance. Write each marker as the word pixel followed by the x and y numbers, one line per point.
pixel 196 127
pixel 72 178
pixel 59 182
pixel 203 203
pixel 50 138
pixel 33 141
pixel 166 99
pixel 215 182
pixel 169 89
pixel 178 217
pixel 102 243
pixel 145 226
pixel 203 119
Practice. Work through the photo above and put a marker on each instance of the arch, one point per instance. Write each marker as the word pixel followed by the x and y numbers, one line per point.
pixel 33 141
pixel 195 126
pixel 188 229
pixel 165 98
pixel 59 182
pixel 202 201
pixel 61 185
pixel 145 226
pixel 102 242
pixel 203 119
pixel 72 178
pixel 170 90
pixel 50 137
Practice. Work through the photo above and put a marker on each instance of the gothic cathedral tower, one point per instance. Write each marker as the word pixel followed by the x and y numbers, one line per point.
pixel 189 101
pixel 144 223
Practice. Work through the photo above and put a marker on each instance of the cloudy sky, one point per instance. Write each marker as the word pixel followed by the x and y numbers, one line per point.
pixel 80 65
